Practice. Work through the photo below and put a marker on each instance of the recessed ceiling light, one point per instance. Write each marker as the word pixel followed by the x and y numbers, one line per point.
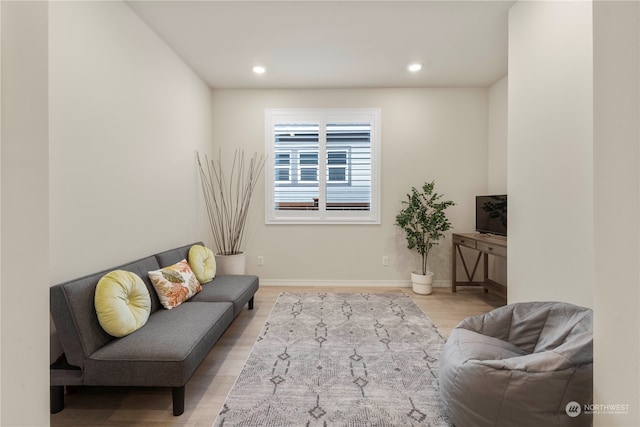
pixel 414 67
pixel 259 69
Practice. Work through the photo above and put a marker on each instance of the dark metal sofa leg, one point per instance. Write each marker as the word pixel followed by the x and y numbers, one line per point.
pixel 251 304
pixel 178 400
pixel 56 396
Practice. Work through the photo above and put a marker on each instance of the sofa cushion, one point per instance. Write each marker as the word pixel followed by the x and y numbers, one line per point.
pixel 122 303
pixel 203 263
pixel 174 255
pixel 175 284
pixel 237 289
pixel 165 352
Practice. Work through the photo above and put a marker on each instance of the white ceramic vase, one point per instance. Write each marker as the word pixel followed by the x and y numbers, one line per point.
pixel 422 283
pixel 230 264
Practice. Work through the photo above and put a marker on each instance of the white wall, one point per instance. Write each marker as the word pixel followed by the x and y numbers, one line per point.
pixel 497 138
pixel 617 208
pixel 127 116
pixel 550 152
pixel 427 134
pixel 24 260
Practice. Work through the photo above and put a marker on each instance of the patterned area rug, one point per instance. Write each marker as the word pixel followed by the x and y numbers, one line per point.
pixel 340 360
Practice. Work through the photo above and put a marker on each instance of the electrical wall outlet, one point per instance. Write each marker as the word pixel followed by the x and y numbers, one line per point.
pixel 260 260
pixel 385 261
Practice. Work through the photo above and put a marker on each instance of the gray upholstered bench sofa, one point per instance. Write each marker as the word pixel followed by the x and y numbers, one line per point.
pixel 165 352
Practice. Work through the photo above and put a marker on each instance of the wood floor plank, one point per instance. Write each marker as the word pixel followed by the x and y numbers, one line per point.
pixel 212 381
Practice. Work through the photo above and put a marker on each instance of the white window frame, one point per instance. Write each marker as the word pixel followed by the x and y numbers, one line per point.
pixel 322 215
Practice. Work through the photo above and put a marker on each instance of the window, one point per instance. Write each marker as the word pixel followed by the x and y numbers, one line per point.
pixel 282 167
pixel 308 169
pixel 323 166
pixel 337 166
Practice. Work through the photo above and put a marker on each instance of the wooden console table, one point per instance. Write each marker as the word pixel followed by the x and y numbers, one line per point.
pixel 485 245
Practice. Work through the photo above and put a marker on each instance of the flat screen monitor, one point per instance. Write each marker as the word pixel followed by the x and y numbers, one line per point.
pixel 491 214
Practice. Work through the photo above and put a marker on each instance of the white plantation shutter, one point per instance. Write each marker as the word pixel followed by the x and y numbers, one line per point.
pixel 323 166
pixel 300 143
pixel 348 157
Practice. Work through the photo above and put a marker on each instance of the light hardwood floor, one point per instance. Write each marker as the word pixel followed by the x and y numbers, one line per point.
pixel 209 386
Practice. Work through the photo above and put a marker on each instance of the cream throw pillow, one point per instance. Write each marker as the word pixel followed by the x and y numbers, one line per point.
pixel 175 284
pixel 203 263
pixel 122 303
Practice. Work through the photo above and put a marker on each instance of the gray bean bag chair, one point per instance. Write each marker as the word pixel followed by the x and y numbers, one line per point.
pixel 520 365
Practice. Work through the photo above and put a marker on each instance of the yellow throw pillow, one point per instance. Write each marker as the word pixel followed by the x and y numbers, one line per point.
pixel 175 284
pixel 122 303
pixel 203 263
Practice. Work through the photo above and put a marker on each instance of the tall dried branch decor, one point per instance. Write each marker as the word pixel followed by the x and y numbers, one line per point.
pixel 228 198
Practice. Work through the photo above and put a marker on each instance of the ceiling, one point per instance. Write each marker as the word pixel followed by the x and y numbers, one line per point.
pixel 335 44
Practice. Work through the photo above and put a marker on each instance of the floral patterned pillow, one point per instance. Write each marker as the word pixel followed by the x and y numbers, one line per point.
pixel 175 284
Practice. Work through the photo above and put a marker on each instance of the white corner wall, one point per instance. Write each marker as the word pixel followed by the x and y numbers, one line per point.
pixel 550 152
pixel 497 138
pixel 427 134
pixel 127 116
pixel 617 209
pixel 24 259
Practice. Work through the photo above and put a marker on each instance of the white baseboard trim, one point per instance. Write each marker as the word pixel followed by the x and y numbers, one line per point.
pixel 442 283
pixel 349 283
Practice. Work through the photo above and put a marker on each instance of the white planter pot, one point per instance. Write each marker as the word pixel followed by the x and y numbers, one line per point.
pixel 230 264
pixel 422 283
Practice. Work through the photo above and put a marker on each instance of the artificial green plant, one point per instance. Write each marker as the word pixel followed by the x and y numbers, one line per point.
pixel 423 220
